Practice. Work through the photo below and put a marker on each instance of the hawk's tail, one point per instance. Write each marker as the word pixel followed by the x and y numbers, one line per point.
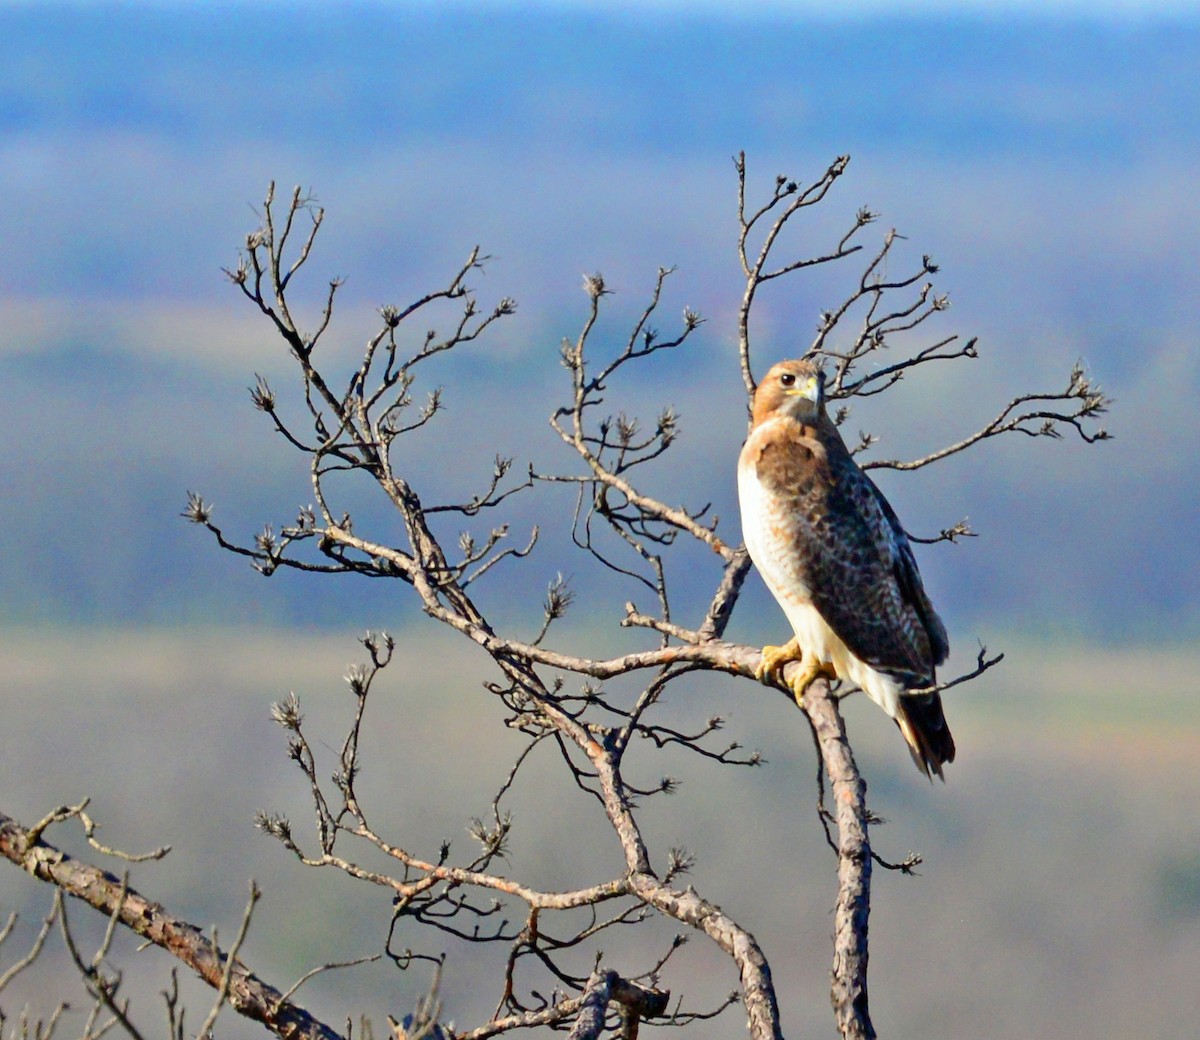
pixel 923 724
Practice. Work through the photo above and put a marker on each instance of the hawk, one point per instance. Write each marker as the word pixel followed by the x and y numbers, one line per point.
pixel 836 559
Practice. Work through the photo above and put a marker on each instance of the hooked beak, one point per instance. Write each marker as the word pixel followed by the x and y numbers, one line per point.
pixel 809 388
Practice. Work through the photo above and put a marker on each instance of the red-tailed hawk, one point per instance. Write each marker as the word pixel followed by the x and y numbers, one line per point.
pixel 835 557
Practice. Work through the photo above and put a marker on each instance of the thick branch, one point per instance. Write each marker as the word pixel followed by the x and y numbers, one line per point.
pixel 351 437
pixel 849 974
pixel 589 1024
pixel 248 995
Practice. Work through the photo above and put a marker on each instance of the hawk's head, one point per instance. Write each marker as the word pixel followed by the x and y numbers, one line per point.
pixel 792 388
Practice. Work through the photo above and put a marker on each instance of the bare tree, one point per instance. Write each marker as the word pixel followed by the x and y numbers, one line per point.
pixel 549 970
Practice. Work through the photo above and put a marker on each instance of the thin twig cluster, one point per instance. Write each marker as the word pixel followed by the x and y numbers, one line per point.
pixel 550 965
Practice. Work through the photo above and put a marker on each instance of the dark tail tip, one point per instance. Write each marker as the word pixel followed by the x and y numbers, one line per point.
pixel 930 742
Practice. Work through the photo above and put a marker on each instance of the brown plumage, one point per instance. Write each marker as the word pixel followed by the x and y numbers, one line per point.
pixel 835 557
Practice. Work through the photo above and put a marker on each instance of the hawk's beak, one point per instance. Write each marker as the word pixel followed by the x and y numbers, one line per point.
pixel 810 389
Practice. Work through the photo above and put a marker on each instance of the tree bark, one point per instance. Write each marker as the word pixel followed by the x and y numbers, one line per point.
pixel 849 975
pixel 248 994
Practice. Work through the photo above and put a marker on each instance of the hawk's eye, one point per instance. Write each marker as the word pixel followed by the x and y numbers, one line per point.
pixel 787 379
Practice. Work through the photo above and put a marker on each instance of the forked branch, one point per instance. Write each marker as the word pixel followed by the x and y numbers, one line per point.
pixel 559 703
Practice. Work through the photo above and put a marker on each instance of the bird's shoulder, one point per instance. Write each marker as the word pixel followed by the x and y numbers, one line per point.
pixel 785 456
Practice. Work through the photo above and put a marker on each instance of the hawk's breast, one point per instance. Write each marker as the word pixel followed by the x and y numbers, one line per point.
pixel 770 519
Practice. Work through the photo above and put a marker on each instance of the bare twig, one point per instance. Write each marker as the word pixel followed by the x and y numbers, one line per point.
pixel 553 697
pixel 230 960
pixel 35 950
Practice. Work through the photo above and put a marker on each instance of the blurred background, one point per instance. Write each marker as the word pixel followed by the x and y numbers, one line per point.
pixel 1044 155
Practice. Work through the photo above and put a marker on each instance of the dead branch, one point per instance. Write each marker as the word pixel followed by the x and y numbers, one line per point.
pixel 348 428
pixel 850 927
pixel 247 994
pixel 891 307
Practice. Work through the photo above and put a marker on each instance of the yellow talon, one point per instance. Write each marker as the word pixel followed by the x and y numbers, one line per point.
pixel 774 658
pixel 812 670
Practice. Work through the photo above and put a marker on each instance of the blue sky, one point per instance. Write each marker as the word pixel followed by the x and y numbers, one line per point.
pixel 1045 159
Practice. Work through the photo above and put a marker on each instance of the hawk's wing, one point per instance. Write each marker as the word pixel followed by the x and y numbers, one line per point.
pixel 852 555
pixel 909 579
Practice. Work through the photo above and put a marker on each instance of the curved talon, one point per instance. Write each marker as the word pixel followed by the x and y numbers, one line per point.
pixel 812 670
pixel 774 658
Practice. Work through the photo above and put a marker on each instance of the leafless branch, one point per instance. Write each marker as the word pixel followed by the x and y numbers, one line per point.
pixel 850 956
pixel 787 200
pixel 1083 401
pixel 248 995
pixel 103 988
pixel 35 950
pixel 349 427
pixel 231 959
